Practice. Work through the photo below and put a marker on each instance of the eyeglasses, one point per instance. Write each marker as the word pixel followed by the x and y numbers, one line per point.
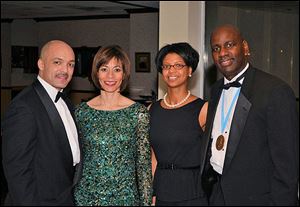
pixel 175 66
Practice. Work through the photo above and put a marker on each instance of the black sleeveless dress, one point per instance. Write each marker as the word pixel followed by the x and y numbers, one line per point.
pixel 175 136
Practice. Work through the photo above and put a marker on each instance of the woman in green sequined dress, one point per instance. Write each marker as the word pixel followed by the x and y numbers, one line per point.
pixel 115 139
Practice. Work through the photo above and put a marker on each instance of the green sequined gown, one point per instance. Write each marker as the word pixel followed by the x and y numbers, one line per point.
pixel 116 157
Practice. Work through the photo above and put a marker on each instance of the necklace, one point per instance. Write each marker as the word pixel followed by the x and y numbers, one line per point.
pixel 179 103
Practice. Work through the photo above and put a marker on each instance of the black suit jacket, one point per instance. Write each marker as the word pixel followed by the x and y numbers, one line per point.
pixel 37 157
pixel 261 163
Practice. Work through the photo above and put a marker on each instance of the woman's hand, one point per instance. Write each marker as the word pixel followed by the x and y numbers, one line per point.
pixel 153 201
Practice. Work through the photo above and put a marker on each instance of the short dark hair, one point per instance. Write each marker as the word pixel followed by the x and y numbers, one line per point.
pixel 103 56
pixel 183 49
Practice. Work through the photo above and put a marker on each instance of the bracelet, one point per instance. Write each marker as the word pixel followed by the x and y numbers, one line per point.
pixel 152 204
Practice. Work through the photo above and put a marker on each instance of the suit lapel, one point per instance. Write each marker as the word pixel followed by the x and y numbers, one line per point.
pixel 238 122
pixel 241 112
pixel 56 121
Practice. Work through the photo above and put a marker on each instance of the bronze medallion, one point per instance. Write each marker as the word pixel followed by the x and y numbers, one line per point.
pixel 220 142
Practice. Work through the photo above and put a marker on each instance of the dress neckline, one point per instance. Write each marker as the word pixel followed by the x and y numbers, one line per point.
pixel 173 109
pixel 116 110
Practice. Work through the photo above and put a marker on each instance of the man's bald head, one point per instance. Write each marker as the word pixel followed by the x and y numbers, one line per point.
pixel 56 63
pixel 229 50
pixel 229 29
pixel 50 44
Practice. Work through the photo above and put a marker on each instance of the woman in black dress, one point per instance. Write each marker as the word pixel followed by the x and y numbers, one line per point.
pixel 177 122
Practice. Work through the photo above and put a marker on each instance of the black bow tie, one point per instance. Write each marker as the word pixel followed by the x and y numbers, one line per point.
pixel 235 83
pixel 232 84
pixel 60 95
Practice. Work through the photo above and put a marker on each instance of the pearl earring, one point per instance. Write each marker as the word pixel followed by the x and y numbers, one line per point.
pixel 190 75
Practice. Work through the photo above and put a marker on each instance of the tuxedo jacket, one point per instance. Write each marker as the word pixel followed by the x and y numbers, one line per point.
pixel 261 163
pixel 37 157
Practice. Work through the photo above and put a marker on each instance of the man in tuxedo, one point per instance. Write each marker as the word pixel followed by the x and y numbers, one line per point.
pixel 41 151
pixel 251 150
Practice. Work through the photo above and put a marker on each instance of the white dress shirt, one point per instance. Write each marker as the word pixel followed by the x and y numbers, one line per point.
pixel 218 156
pixel 67 120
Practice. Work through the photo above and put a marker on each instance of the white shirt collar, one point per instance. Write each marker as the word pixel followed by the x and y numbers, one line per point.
pixel 238 75
pixel 52 91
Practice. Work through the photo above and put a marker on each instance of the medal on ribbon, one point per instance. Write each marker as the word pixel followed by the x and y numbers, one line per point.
pixel 220 142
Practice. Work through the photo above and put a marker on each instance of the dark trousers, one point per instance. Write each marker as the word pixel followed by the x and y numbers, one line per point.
pixel 217 197
pixel 211 182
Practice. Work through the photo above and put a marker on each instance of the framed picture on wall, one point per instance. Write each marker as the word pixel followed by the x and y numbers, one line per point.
pixel 142 62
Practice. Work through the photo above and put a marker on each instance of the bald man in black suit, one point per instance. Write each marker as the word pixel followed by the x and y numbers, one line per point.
pixel 41 150
pixel 252 130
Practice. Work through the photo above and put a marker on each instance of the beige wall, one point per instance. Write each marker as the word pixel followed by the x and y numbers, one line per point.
pixel 183 21
pixel 143 38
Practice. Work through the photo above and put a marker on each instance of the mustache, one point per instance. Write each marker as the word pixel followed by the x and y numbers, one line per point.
pixel 62 74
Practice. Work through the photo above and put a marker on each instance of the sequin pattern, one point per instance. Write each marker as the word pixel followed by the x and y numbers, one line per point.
pixel 116 157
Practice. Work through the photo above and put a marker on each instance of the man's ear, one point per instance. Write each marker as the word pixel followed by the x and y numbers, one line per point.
pixel 246 48
pixel 41 64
